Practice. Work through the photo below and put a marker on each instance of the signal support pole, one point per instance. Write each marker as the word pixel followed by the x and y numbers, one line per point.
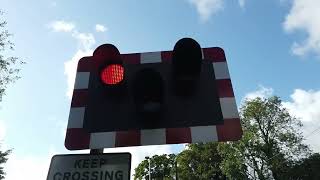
pixel 149 169
pixel 96 151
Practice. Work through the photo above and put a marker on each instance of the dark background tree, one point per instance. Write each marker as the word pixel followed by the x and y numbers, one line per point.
pixel 307 168
pixel 162 167
pixel 9 69
pixel 200 161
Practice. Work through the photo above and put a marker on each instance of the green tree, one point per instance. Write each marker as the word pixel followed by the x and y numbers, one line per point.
pixel 200 161
pixel 3 159
pixel 162 167
pixel 8 64
pixel 270 145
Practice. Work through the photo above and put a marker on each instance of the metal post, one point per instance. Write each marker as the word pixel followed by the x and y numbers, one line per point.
pixel 176 164
pixel 96 151
pixel 149 168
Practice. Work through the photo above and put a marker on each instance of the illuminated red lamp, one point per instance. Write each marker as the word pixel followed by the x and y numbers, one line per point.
pixel 112 74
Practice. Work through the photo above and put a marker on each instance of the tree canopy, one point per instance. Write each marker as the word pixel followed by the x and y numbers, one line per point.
pixel 162 167
pixel 271 142
pixel 200 161
pixel 271 148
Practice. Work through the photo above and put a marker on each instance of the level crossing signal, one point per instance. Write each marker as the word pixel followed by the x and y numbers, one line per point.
pixel 179 96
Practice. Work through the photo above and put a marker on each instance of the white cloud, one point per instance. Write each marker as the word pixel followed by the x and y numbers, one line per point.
pixel 85 40
pixel 85 43
pixel 61 26
pixel 61 125
pixel 70 68
pixel 306 106
pixel 304 16
pixel 206 8
pixel 2 130
pixel 262 92
pixel 242 3
pixel 100 28
pixel 33 167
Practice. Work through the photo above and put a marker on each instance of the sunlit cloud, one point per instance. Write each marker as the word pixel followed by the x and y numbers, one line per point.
pixel 206 8
pixel 262 92
pixel 2 130
pixel 61 26
pixel 304 17
pixel 85 42
pixel 100 28
pixel 70 68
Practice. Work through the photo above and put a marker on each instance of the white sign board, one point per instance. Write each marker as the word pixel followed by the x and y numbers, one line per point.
pixel 110 166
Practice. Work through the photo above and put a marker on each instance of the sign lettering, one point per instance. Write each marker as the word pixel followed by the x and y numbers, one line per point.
pixel 112 166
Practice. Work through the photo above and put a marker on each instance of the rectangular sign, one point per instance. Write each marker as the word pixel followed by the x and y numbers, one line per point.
pixel 110 166
pixel 104 117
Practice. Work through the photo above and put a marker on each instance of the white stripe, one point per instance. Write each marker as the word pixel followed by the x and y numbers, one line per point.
pixel 229 107
pixel 150 57
pixel 204 134
pixel 202 54
pixel 76 117
pixel 82 80
pixel 221 70
pixel 102 140
pixel 153 136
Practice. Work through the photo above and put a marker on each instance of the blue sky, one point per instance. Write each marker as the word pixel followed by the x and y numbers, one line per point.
pixel 272 47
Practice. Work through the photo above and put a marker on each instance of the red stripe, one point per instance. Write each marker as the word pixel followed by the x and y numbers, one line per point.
pixel 79 98
pixel 128 138
pixel 224 88
pixel 76 139
pixel 214 54
pixel 230 130
pixel 166 56
pixel 84 64
pixel 178 135
pixel 131 58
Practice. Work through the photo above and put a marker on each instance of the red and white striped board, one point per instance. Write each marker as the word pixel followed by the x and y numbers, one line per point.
pixel 79 138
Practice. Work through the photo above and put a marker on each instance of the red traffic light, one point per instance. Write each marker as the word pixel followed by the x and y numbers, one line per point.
pixel 112 74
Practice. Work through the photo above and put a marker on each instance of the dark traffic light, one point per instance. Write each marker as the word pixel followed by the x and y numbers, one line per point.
pixel 186 66
pixel 129 96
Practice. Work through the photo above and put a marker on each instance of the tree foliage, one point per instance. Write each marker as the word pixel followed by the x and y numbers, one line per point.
pixel 8 73
pixel 200 161
pixel 270 145
pixel 162 167
pixel 3 160
pixel 8 64
pixel 271 148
